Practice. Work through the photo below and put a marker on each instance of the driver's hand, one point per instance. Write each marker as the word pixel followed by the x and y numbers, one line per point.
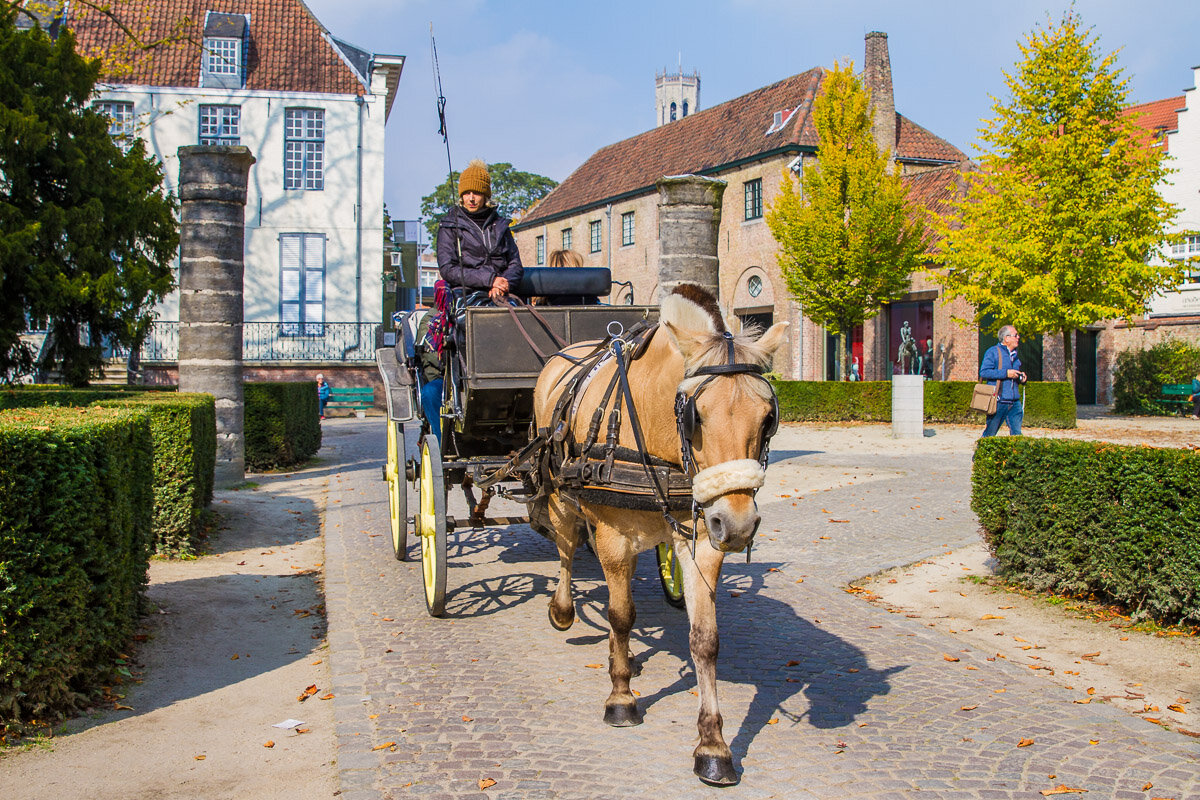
pixel 499 288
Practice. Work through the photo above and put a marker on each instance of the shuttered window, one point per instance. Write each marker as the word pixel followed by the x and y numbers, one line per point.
pixel 302 284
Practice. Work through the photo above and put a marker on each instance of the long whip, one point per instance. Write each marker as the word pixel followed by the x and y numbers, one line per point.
pixel 443 131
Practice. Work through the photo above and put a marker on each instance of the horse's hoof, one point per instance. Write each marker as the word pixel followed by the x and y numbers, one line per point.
pixel 560 625
pixel 623 716
pixel 715 770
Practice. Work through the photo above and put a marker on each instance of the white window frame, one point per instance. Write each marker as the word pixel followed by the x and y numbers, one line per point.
pixel 627 228
pixel 752 199
pixel 120 119
pixel 302 284
pixel 304 149
pixel 220 125
pixel 222 56
pixel 567 235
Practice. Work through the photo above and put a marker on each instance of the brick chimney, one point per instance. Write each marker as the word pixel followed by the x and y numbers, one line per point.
pixel 877 75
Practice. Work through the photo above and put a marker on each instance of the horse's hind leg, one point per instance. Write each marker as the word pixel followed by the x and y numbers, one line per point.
pixel 620 709
pixel 713 759
pixel 566 525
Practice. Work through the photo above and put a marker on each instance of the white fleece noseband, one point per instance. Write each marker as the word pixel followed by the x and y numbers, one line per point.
pixel 709 484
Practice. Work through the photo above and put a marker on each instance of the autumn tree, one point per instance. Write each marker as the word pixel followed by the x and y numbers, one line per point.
pixel 87 234
pixel 848 239
pixel 1060 226
pixel 513 192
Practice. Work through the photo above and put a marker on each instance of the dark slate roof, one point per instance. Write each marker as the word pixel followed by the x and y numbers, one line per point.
pixel 713 139
pixel 289 48
pixel 1157 119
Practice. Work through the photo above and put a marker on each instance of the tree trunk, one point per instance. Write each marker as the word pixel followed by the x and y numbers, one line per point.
pixel 844 356
pixel 1068 358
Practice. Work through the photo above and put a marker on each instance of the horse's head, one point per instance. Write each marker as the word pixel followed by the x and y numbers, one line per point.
pixel 726 412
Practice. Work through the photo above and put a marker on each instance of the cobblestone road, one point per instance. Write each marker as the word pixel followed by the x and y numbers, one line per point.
pixel 823 695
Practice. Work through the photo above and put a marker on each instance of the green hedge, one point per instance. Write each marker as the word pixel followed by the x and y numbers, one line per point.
pixel 1047 405
pixel 75 512
pixel 282 424
pixel 1122 523
pixel 184 428
pixel 1139 376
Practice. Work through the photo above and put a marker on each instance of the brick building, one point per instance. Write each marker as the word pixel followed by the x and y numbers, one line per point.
pixel 607 211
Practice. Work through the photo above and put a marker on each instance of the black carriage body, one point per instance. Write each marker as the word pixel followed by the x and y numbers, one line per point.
pixel 501 367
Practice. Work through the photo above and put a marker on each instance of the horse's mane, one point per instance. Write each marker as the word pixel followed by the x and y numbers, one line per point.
pixel 692 309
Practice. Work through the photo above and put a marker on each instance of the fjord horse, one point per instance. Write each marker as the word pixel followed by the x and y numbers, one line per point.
pixel 733 416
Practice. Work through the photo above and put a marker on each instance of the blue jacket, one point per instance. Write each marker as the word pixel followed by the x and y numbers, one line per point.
pixel 997 361
pixel 323 391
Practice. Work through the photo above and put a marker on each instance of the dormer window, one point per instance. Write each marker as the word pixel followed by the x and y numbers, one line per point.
pixel 224 63
pixel 780 119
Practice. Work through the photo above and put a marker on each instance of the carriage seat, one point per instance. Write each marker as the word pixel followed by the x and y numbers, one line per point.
pixel 565 282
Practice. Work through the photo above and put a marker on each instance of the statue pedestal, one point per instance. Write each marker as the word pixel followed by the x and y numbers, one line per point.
pixel 908 406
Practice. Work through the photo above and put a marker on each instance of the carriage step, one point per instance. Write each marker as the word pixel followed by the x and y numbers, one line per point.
pixel 456 523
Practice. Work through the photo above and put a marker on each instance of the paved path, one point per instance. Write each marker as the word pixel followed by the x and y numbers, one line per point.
pixel 823 695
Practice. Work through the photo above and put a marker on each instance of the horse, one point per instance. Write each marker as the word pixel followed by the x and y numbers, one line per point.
pixel 727 412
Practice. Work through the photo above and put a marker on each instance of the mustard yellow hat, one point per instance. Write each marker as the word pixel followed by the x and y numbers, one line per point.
pixel 475 178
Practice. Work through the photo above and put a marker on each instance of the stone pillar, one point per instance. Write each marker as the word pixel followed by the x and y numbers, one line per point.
pixel 689 214
pixel 212 193
pixel 908 406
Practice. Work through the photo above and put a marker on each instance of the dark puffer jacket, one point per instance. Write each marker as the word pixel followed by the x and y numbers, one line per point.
pixel 472 255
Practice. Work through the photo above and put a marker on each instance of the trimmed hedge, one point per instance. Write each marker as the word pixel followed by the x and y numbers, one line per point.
pixel 282 424
pixel 1121 523
pixel 1140 374
pixel 184 428
pixel 75 512
pixel 1047 404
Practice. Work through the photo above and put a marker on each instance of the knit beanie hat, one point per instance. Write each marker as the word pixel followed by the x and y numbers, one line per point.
pixel 475 178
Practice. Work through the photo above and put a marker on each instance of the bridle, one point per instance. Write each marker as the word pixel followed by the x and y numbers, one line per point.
pixel 687 418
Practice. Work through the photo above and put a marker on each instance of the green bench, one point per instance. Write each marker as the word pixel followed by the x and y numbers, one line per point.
pixel 351 398
pixel 1175 396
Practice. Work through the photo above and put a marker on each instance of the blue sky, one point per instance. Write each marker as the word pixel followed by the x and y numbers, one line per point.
pixel 545 84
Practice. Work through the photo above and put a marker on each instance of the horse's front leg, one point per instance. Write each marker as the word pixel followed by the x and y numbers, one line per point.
pixel 713 759
pixel 567 526
pixel 620 709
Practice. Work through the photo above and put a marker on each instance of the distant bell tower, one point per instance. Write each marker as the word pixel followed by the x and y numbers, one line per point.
pixel 675 95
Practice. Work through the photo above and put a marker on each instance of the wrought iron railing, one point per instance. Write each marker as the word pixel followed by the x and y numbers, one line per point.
pixel 278 341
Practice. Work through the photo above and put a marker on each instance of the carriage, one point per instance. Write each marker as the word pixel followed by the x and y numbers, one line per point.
pixel 492 361
pixel 526 392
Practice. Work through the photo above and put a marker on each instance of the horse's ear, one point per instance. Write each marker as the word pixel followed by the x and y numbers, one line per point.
pixel 685 342
pixel 773 338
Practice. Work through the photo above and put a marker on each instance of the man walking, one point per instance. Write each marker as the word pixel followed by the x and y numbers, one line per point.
pixel 1002 366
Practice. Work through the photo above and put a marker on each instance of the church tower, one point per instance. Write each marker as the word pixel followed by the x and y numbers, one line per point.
pixel 675 96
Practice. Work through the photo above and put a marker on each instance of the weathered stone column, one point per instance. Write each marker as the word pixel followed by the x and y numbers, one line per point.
pixel 212 191
pixel 689 214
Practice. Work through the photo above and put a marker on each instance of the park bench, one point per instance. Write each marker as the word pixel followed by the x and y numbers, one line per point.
pixel 352 398
pixel 1175 396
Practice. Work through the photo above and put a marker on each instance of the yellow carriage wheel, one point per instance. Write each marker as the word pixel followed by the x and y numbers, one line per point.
pixel 430 524
pixel 670 574
pixel 393 472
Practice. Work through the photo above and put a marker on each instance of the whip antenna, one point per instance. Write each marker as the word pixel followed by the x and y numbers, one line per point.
pixel 441 107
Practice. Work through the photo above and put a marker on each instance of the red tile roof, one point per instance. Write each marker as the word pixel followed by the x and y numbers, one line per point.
pixel 1157 119
pixel 289 49
pixel 733 132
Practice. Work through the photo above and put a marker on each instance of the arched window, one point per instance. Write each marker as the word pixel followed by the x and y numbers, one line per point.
pixel 672 112
pixel 685 108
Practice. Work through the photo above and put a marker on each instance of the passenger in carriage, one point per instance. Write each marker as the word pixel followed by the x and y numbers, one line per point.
pixel 475 248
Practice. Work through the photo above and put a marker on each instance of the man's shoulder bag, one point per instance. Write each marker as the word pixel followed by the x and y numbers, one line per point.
pixel 984 396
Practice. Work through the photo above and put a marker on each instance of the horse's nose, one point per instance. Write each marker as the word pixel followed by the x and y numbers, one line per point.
pixel 726 532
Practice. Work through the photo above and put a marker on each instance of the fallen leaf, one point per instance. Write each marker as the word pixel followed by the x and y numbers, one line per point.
pixel 233 657
pixel 949 657
pixel 372 716
pixel 119 707
pixel 1091 690
pixel 773 721
pixel 592 666
pixel 992 616
pixel 199 758
pixel 969 708
pixel 1147 787
pixel 303 730
pixel 1093 741
pixel 1062 788
pixel 383 746
pixel 329 696
pixel 1083 701
pixel 1178 709
pixel 1090 655
pixel 269 743
pixel 485 783
pixel 307 693
pixel 1025 743
pixel 467 719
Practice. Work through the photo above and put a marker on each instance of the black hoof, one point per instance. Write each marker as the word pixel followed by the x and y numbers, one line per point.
pixel 715 770
pixel 559 625
pixel 623 716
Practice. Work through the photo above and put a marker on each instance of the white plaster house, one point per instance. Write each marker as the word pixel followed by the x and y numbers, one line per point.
pixel 267 75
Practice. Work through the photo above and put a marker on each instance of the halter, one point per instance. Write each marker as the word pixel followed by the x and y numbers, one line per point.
pixel 687 418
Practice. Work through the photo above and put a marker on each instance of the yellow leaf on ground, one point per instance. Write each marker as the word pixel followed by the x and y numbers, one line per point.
pixel 992 616
pixel 269 743
pixel 773 721
pixel 969 708
pixel 329 696
pixel 949 657
pixel 592 666
pixel 1178 709
pixel 1025 743
pixel 199 758
pixel 467 719
pixel 383 746
pixel 485 783
pixel 1062 788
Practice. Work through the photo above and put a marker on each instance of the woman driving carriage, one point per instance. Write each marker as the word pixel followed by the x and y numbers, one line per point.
pixel 475 251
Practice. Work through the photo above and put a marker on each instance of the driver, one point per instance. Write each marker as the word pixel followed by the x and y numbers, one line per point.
pixel 475 248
